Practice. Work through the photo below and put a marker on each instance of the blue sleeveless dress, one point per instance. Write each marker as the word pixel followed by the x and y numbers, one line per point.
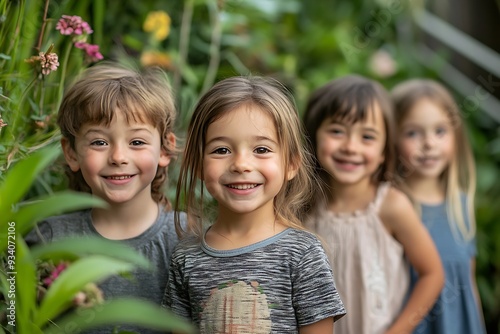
pixel 456 310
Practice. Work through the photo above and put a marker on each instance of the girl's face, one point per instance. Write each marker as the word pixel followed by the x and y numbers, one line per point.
pixel 243 167
pixel 352 153
pixel 426 140
pixel 118 161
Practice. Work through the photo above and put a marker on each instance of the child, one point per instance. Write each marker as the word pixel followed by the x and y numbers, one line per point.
pixel 370 227
pixel 255 269
pixel 117 139
pixel 438 173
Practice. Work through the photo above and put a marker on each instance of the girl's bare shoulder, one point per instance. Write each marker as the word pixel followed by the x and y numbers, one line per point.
pixel 396 209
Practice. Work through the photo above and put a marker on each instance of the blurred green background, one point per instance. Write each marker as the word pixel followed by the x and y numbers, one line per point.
pixel 302 43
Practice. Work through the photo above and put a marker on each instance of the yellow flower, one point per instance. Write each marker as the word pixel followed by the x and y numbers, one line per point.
pixel 158 23
pixel 155 58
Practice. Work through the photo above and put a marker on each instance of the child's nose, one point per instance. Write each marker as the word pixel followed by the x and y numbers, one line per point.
pixel 118 155
pixel 350 144
pixel 240 163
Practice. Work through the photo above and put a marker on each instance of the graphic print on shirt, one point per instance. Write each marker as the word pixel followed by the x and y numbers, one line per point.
pixel 236 307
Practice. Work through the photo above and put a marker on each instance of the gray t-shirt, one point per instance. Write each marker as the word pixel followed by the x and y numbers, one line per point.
pixel 156 244
pixel 274 286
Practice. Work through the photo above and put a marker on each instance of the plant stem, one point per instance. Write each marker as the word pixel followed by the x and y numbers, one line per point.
pixel 187 16
pixel 213 66
pixel 64 68
pixel 44 23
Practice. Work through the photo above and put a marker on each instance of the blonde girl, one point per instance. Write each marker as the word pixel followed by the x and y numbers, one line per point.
pixel 251 268
pixel 371 229
pixel 436 169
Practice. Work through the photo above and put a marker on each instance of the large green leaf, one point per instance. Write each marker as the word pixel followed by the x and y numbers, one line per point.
pixel 31 212
pixel 25 276
pixel 74 248
pixel 122 311
pixel 20 177
pixel 62 291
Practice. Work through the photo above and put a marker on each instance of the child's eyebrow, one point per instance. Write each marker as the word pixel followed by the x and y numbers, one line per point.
pixel 255 138
pixel 369 129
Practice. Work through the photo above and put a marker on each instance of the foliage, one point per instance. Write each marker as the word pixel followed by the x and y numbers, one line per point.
pixel 86 261
pixel 302 43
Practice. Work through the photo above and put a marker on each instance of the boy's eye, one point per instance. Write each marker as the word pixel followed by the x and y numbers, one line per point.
pixel 137 143
pixel 98 142
pixel 262 150
pixel 221 150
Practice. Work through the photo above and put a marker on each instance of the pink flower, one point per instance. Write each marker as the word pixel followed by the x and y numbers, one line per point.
pixel 73 25
pixel 2 124
pixel 382 64
pixel 49 61
pixel 55 273
pixel 92 50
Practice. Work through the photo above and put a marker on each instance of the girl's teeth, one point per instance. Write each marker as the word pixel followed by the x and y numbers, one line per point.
pixel 242 186
pixel 118 177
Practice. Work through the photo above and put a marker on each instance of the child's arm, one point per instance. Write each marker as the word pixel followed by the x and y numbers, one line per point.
pixel 323 326
pixel 402 221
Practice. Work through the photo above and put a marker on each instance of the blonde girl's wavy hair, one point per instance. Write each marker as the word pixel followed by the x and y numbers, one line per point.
pixel 107 88
pixel 225 96
pixel 459 178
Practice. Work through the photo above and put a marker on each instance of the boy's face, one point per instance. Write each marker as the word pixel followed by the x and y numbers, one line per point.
pixel 118 161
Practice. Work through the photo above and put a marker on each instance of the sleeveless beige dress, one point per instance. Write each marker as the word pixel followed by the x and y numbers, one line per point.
pixel 370 270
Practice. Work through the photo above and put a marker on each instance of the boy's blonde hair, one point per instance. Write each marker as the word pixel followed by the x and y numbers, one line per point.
pixel 271 97
pixel 460 176
pixel 105 88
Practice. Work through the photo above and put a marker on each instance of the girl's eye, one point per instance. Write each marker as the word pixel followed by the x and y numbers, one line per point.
pixel 441 131
pixel 98 142
pixel 368 137
pixel 336 131
pixel 221 150
pixel 411 134
pixel 137 143
pixel 262 150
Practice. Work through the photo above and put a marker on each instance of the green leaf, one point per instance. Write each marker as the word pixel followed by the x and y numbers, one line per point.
pixel 122 311
pixel 65 201
pixel 29 213
pixel 73 279
pixel 74 248
pixel 25 286
pixel 20 177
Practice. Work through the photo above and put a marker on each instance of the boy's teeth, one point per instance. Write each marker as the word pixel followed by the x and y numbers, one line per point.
pixel 242 186
pixel 119 177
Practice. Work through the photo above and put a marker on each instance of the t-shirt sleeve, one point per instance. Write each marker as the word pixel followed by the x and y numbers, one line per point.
pixel 315 296
pixel 176 296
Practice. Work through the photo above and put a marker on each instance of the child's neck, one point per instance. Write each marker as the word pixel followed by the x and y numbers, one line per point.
pixel 233 230
pixel 125 220
pixel 426 190
pixel 350 198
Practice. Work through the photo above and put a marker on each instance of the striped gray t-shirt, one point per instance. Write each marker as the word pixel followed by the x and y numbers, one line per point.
pixel 274 286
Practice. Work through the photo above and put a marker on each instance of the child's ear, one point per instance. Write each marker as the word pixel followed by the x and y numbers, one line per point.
pixel 165 157
pixel 292 169
pixel 70 155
